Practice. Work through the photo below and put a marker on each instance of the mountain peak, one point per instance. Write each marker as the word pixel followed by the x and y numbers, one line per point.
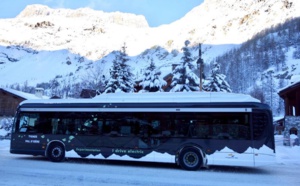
pixel 236 21
pixel 94 34
pixel 34 10
pixel 127 19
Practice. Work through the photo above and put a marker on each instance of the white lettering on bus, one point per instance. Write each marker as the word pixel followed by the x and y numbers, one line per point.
pixel 32 141
pixel 125 151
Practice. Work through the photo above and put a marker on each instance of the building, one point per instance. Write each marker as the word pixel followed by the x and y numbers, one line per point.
pixel 88 93
pixel 10 99
pixel 291 97
pixel 278 123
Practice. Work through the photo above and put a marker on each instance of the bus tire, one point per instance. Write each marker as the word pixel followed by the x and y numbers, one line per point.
pixel 56 152
pixel 190 159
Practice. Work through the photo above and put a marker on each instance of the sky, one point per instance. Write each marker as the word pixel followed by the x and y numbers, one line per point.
pixel 156 12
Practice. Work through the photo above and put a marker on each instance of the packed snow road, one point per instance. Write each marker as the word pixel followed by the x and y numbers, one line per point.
pixel 29 170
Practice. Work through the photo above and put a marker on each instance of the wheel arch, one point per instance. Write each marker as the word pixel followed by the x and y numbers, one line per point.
pixel 194 146
pixel 54 142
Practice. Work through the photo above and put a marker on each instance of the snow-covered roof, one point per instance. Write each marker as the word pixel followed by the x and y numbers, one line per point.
pixel 278 118
pixel 158 97
pixel 24 94
pixel 176 97
pixel 295 79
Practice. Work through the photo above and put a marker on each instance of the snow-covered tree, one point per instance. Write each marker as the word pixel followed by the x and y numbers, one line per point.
pixel 216 82
pixel 113 84
pixel 121 77
pixel 184 79
pixel 152 81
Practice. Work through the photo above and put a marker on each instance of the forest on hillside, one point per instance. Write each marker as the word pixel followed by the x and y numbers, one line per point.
pixel 262 65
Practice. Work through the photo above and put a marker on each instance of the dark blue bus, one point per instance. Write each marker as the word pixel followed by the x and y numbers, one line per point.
pixel 193 130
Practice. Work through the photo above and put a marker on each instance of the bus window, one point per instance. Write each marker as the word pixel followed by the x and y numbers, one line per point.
pixel 201 130
pixel 180 127
pixel 125 130
pixel 199 126
pixel 54 124
pixel 230 126
pixel 100 126
pixel 61 129
pixel 23 124
pixel 28 123
pixel 260 120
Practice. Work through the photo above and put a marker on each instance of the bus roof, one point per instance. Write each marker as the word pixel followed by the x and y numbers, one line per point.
pixel 157 97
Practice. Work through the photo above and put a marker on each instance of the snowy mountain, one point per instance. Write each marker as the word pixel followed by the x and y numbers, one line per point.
pixel 94 34
pixel 67 47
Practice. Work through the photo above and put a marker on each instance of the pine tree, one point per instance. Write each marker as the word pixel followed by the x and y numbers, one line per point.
pixel 184 79
pixel 216 82
pixel 152 81
pixel 113 83
pixel 121 79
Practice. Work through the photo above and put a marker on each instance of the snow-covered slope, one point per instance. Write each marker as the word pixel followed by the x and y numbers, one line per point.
pixel 233 21
pixel 59 42
pixel 19 65
pixel 95 33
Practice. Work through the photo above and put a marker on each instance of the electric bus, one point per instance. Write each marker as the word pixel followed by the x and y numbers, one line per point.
pixel 191 129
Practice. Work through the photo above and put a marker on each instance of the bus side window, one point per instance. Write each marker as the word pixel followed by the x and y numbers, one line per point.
pixel 43 125
pixel 100 126
pixel 125 130
pixel 70 126
pixel 219 127
pixel 233 130
pixel 54 124
pixel 94 127
pixel 61 128
pixel 33 125
pixel 111 127
pixel 155 127
pixel 202 130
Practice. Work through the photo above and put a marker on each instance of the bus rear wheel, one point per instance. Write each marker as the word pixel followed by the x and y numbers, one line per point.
pixel 190 159
pixel 56 152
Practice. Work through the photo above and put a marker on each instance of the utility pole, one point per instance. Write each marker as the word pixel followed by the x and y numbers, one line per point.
pixel 200 65
pixel 270 73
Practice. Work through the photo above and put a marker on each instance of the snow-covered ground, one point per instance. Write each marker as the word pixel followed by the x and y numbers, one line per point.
pixel 28 170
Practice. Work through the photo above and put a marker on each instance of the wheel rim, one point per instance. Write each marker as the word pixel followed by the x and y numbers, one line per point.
pixel 56 152
pixel 190 159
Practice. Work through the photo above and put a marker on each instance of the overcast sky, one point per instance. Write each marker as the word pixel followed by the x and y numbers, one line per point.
pixel 157 12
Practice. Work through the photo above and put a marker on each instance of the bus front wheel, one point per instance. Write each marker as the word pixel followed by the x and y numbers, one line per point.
pixel 190 159
pixel 56 152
